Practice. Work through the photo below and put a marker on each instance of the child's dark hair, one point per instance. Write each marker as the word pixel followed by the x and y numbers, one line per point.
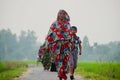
pixel 74 27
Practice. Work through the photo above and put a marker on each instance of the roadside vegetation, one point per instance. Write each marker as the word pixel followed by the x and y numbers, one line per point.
pixel 11 69
pixel 99 70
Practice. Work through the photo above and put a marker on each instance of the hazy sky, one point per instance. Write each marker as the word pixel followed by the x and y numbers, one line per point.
pixel 98 19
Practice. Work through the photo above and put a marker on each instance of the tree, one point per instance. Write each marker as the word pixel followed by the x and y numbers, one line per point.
pixel 86 46
pixel 28 45
pixel 12 49
pixel 7 44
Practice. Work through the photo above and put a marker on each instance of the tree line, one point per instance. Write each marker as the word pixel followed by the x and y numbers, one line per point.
pixel 100 52
pixel 25 47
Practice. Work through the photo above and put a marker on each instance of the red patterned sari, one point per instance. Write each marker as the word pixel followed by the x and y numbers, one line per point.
pixel 58 40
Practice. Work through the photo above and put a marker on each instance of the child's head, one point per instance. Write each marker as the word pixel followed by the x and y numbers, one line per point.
pixel 74 29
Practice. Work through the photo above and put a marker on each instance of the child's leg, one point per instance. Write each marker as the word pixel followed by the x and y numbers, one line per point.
pixel 74 64
pixel 71 70
pixel 71 73
pixel 71 63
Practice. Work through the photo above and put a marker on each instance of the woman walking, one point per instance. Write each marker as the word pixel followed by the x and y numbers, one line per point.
pixel 58 40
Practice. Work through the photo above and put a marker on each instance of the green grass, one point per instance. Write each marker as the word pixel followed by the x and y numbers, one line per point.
pixel 30 62
pixel 98 71
pixel 10 70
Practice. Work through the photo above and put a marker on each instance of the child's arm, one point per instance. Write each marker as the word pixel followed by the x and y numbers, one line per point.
pixel 80 47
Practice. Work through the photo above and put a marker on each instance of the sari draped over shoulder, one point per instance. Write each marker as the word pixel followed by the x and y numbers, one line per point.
pixel 59 32
pixel 58 39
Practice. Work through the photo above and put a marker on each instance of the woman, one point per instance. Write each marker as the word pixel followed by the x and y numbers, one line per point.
pixel 58 40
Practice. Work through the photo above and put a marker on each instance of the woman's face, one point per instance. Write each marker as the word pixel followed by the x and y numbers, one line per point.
pixel 61 15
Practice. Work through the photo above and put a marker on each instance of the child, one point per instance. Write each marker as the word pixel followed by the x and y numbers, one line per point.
pixel 74 52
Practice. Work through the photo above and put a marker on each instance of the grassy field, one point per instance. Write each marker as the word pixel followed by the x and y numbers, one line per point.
pixel 98 71
pixel 10 70
pixel 88 70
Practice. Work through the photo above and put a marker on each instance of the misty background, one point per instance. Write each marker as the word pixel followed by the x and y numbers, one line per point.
pixel 26 47
pixel 25 23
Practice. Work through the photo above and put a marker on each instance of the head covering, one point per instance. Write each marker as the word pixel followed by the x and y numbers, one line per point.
pixel 66 18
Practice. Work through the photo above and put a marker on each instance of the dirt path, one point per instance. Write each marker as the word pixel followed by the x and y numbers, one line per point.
pixel 37 73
